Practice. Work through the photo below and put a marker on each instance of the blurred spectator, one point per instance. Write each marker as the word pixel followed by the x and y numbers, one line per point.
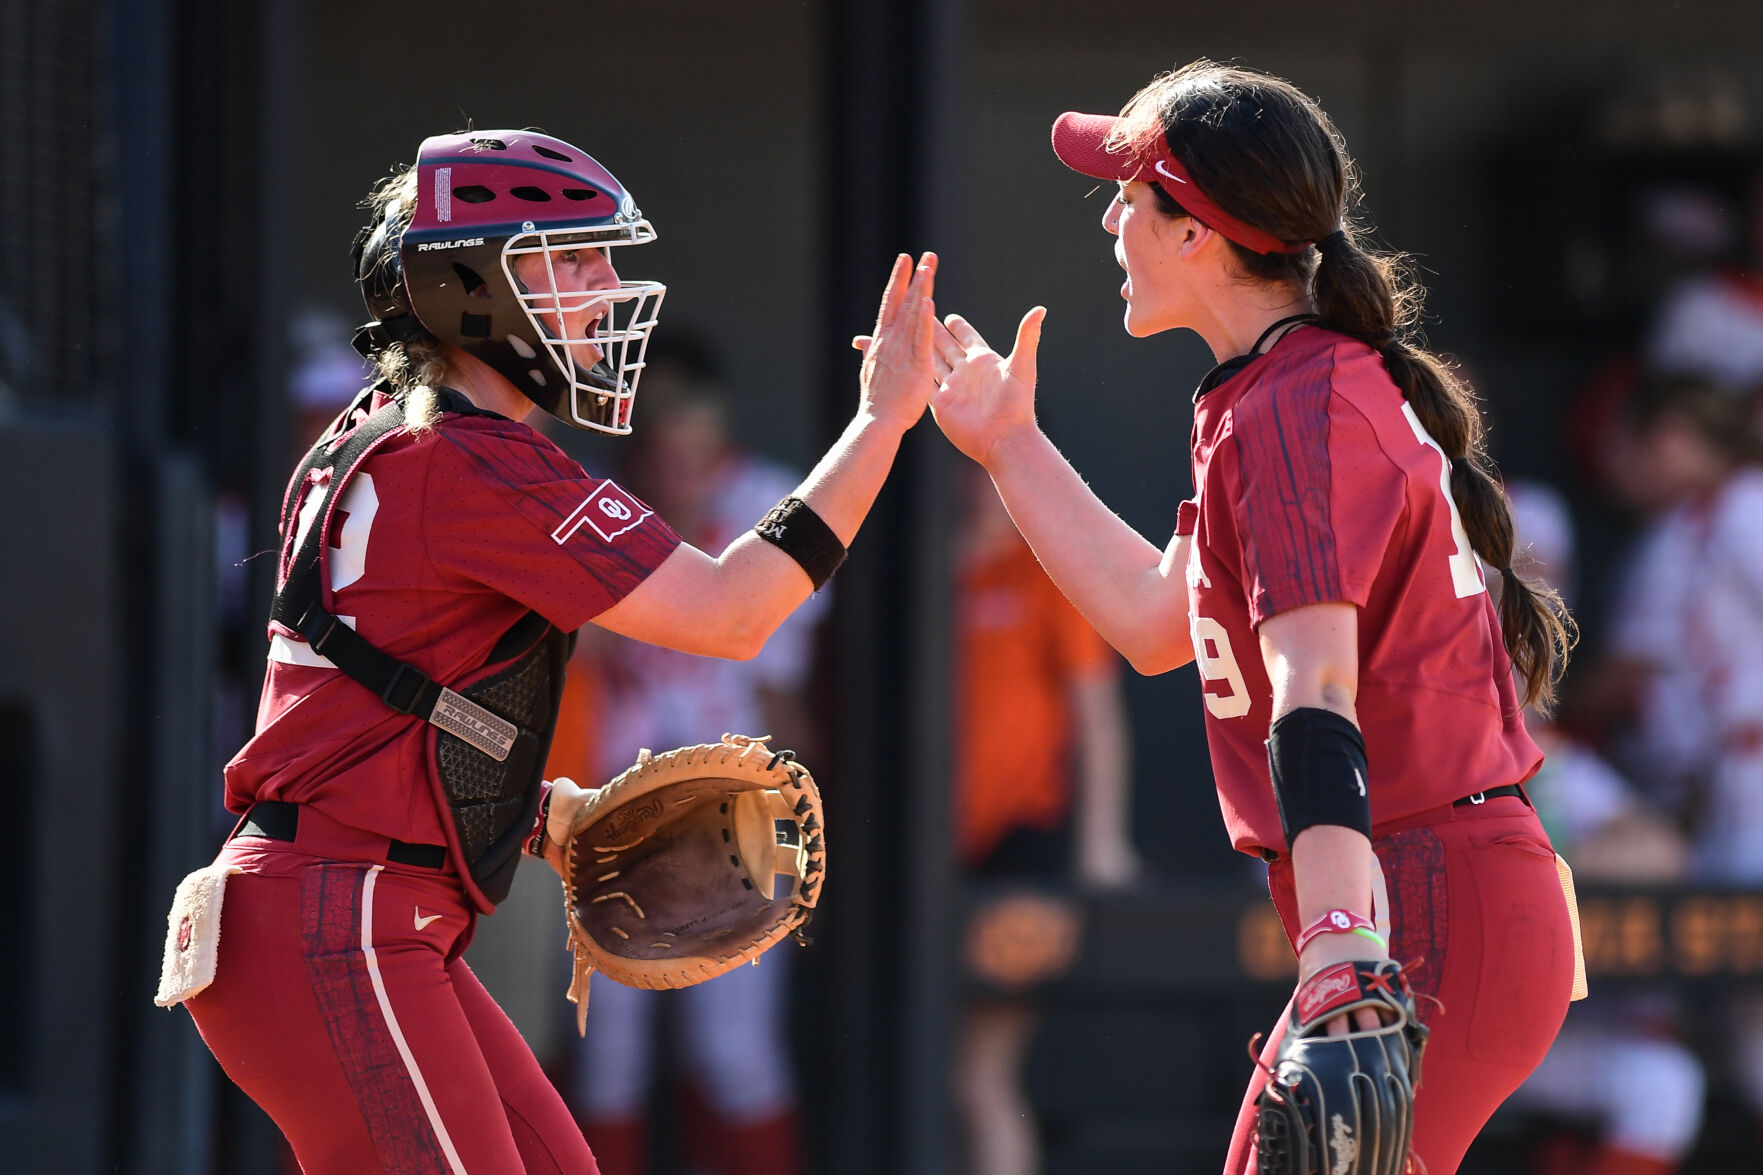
pixel 739 1108
pixel 1683 680
pixel 1543 531
pixel 1688 644
pixel 1711 325
pixel 1040 722
pixel 1682 685
pixel 326 373
pixel 1617 1066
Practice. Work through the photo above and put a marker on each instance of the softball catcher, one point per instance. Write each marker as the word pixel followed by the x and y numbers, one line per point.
pixel 435 552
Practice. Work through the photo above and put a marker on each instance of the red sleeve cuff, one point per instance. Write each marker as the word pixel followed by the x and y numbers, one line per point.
pixel 1187 517
pixel 535 838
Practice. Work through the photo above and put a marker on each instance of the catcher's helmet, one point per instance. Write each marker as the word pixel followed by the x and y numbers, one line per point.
pixel 447 272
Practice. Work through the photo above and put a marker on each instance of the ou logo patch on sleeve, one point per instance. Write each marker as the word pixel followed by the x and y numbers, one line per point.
pixel 609 511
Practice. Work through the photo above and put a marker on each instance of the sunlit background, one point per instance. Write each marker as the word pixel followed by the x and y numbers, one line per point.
pixel 179 184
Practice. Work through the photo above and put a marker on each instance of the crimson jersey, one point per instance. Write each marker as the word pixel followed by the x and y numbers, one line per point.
pixel 1317 484
pixel 442 540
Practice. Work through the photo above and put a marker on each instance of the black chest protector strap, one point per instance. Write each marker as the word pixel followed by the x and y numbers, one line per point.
pixel 492 735
pixel 300 606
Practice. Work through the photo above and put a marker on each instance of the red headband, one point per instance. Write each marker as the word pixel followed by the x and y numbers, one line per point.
pixel 1080 142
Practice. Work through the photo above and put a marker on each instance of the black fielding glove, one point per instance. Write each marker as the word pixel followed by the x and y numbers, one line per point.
pixel 1343 1105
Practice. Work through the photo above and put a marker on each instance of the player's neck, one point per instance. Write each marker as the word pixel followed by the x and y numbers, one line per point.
pixel 1235 325
pixel 484 387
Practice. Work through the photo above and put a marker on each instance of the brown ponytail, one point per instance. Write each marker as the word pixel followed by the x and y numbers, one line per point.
pixel 1373 299
pixel 1269 156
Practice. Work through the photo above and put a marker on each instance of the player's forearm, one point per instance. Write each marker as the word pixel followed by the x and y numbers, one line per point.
pixel 762 583
pixel 1312 659
pixel 1130 591
pixel 1332 869
pixel 712 606
pixel 844 484
pixel 729 604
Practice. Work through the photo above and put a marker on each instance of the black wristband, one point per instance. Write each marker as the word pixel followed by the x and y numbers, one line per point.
pixel 795 529
pixel 1318 762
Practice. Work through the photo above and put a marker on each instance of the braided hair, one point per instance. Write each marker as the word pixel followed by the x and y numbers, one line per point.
pixel 1266 153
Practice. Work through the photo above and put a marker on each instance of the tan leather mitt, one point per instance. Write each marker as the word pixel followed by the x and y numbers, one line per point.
pixel 670 870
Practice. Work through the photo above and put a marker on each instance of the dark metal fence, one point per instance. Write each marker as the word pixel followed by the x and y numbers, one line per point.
pixel 56 146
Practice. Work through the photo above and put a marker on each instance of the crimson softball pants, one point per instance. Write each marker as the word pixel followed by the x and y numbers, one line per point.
pixel 342 1007
pixel 1478 920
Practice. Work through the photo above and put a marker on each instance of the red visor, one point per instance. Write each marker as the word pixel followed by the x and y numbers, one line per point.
pixel 1078 141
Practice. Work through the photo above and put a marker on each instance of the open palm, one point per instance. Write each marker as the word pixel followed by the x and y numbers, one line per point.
pixel 984 396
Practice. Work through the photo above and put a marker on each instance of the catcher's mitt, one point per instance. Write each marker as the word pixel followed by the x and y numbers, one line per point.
pixel 1343 1105
pixel 670 869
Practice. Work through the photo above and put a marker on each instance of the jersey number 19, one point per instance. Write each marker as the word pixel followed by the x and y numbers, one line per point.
pixel 1212 652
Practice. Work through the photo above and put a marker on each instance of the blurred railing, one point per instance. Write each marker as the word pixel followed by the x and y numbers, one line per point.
pixel 1148 1001
pixel 1179 940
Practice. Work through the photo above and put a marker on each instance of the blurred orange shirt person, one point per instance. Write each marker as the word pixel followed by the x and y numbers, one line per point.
pixel 575 746
pixel 1020 648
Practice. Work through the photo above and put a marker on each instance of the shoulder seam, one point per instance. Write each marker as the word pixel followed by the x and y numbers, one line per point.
pixel 503 492
pixel 1360 412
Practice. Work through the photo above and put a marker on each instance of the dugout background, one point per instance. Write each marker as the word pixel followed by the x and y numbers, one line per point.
pixel 180 177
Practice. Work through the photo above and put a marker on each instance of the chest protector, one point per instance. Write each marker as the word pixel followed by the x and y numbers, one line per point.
pixel 492 727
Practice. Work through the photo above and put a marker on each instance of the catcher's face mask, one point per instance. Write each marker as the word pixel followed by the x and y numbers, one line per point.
pixel 594 327
pixel 507 257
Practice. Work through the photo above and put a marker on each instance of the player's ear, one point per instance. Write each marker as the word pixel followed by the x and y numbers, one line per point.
pixel 1192 235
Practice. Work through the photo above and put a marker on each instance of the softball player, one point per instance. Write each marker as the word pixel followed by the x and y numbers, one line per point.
pixel 1326 580
pixel 434 549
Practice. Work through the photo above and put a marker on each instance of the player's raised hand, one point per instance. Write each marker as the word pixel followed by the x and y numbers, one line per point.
pixel 984 396
pixel 897 375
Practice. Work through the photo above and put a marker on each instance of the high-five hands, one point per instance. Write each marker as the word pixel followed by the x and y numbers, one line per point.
pixel 980 396
pixel 897 375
